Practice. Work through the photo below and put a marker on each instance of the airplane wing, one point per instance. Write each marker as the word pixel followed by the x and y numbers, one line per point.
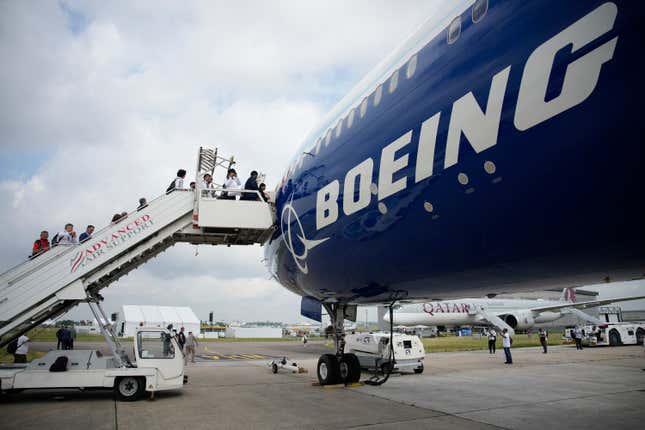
pixel 585 305
pixel 496 321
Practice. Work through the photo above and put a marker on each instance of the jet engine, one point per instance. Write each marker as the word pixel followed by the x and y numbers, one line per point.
pixel 519 320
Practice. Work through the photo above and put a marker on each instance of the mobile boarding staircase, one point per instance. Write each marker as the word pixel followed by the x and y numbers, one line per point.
pixel 51 283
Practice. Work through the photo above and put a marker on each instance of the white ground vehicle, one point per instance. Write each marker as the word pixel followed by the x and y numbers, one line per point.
pixel 158 365
pixel 372 350
pixel 614 334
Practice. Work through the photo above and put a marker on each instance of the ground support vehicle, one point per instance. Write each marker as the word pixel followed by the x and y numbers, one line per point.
pixel 157 364
pixel 373 351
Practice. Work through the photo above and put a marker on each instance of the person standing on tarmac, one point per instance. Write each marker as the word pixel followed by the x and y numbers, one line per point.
pixel 181 339
pixel 506 343
pixel 22 348
pixel 492 339
pixel 577 333
pixel 191 346
pixel 544 339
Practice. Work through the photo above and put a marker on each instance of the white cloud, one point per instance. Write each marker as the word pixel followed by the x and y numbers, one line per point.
pixel 104 114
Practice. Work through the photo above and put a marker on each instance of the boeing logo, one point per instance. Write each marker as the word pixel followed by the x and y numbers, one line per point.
pixel 300 247
pixel 479 124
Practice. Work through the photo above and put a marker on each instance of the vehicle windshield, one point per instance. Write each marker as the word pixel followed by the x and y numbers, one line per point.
pixel 155 344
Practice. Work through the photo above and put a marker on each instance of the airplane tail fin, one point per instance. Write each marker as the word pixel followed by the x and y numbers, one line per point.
pixel 568 295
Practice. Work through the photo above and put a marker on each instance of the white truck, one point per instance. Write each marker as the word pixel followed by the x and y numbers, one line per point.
pixel 614 334
pixel 158 365
pixel 372 350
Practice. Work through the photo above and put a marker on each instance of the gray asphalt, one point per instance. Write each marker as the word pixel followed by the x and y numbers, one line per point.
pixel 591 389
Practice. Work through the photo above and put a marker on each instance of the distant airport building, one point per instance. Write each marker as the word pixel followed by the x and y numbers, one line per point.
pixel 127 321
pixel 253 332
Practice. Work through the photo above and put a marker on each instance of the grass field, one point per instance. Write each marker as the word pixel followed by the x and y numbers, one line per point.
pixel 468 343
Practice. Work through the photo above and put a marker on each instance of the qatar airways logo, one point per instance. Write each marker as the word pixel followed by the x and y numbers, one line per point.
pixel 109 242
pixel 479 124
pixel 431 309
pixel 293 235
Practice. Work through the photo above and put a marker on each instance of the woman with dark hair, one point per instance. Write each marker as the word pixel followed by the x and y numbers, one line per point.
pixel 264 195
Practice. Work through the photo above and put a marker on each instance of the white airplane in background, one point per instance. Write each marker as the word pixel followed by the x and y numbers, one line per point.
pixel 504 313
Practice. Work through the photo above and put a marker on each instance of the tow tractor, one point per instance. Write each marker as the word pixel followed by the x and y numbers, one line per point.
pixel 157 364
pixel 373 351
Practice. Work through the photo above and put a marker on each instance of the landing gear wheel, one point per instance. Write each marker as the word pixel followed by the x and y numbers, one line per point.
pixel 419 370
pixel 614 338
pixel 129 388
pixel 350 369
pixel 328 370
pixel 274 368
pixel 640 336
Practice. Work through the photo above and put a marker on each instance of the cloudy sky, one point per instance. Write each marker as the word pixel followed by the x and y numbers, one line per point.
pixel 101 103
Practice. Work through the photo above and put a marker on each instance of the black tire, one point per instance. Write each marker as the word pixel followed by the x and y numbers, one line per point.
pixel 328 370
pixel 274 368
pixel 419 370
pixel 614 338
pixel 640 336
pixel 129 388
pixel 349 369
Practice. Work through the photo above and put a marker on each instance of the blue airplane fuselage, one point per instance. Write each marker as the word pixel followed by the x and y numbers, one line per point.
pixel 500 149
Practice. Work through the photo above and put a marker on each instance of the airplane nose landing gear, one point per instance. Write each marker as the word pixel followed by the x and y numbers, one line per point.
pixel 339 368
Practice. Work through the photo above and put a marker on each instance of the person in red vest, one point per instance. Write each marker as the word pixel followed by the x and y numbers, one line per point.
pixel 41 245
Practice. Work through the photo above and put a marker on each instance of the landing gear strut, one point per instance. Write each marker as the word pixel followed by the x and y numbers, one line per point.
pixel 339 368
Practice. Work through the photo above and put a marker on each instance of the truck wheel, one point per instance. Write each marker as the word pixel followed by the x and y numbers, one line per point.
pixel 129 388
pixel 614 338
pixel 419 370
pixel 640 335
pixel 327 370
pixel 274 368
pixel 350 369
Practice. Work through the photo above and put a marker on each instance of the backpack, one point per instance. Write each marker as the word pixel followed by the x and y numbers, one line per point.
pixel 12 347
pixel 171 187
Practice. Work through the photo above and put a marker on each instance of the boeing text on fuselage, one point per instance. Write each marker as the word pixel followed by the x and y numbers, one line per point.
pixel 480 126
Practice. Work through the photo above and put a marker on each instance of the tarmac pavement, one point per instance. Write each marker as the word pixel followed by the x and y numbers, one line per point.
pixel 589 389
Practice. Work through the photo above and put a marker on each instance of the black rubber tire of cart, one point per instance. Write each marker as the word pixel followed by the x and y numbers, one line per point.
pixel 614 338
pixel 640 336
pixel 274 368
pixel 129 388
pixel 419 370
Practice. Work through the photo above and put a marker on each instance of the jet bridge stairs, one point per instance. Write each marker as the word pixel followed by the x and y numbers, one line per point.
pixel 49 284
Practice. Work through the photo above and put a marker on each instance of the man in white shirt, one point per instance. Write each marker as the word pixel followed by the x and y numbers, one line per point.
pixel 68 236
pixel 577 333
pixel 207 184
pixel 20 356
pixel 506 343
pixel 232 183
pixel 492 339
